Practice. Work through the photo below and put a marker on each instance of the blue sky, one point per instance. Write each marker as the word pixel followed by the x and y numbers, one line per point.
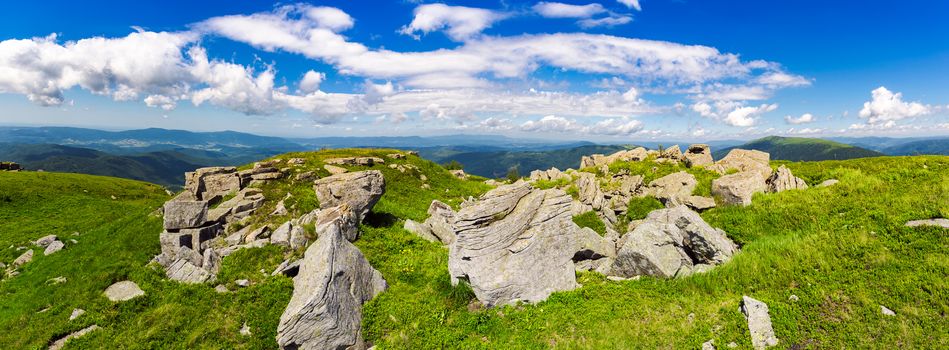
pixel 595 70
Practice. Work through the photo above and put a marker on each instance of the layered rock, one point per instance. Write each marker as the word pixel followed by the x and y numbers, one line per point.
pixel 673 189
pixel 738 188
pixel 782 180
pixel 596 160
pixel 360 190
pixel 698 155
pixel 515 244
pixel 209 184
pixel 671 242
pixel 744 160
pixel 333 282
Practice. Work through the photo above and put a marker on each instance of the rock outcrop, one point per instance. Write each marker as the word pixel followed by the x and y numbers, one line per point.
pixel 515 244
pixel 738 188
pixel 698 155
pixel 596 160
pixel 671 153
pixel 744 160
pixel 673 189
pixel 782 180
pixel 759 323
pixel 671 242
pixel 360 190
pixel 333 282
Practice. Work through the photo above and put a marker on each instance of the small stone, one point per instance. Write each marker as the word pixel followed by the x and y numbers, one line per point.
pixel 245 330
pixel 45 241
pixel 793 298
pixel 242 283
pixel 113 197
pixel 828 183
pixel 61 342
pixel 23 259
pixel 73 241
pixel 733 345
pixel 124 290
pixel 54 247
pixel 886 311
pixel 709 345
pixel 57 280
pixel 220 288
pixel 759 323
pixel 76 313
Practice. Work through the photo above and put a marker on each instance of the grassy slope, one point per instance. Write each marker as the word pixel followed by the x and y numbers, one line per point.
pixel 842 250
pixel 803 149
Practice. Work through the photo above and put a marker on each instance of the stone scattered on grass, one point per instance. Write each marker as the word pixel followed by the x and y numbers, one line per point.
pixel 61 342
pixel 76 313
pixel 938 222
pixel 242 283
pixel 54 247
pixel 124 290
pixel 886 311
pixel 759 323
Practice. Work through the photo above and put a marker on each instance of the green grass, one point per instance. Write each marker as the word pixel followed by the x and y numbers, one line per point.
pixel 843 250
pixel 650 170
pixel 639 207
pixel 590 220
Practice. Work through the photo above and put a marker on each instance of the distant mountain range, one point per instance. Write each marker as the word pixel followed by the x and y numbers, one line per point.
pixel 162 156
pixel 801 149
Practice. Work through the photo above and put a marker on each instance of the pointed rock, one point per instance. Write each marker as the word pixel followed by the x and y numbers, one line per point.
pixel 783 180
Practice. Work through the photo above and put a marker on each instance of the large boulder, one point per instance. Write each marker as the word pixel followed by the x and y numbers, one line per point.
pixel 515 244
pixel 340 218
pixel 672 153
pixel 783 180
pixel 212 183
pixel 698 154
pixel 738 188
pixel 673 189
pixel 182 213
pixel 333 282
pixel 360 190
pixel 744 160
pixel 672 242
pixel 441 219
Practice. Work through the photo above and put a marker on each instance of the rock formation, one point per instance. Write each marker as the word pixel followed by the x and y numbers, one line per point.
pixel 360 190
pixel 515 244
pixel 744 160
pixel 673 189
pixel 333 282
pixel 738 188
pixel 698 155
pixel 671 242
pixel 597 160
pixel 783 180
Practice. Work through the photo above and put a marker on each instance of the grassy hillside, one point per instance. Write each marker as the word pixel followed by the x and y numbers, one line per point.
pixel 843 250
pixel 494 164
pixel 802 149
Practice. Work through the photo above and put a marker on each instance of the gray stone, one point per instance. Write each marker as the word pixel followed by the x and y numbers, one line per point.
pixel 46 240
pixel 441 219
pixel 420 229
pixel 828 183
pixel 208 184
pixel 61 342
pixel 122 291
pixel 738 188
pixel 361 190
pixel 886 311
pixel 298 238
pixel 187 271
pixel 460 174
pixel 673 189
pixel 334 170
pixel 245 330
pixel 672 152
pixel 744 160
pixel 698 155
pixel 53 247
pixel 938 222
pixel 782 180
pixel 340 218
pixel 181 214
pixel 589 191
pixel 592 246
pixel 709 345
pixel 242 283
pixel 325 310
pixel 281 236
pixel 699 203
pixel 515 244
pixel 24 258
pixel 759 323
pixel 76 313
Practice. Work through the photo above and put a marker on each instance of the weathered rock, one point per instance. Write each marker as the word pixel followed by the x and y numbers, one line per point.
pixel 122 291
pixel 828 183
pixel 673 189
pixel 360 190
pixel 441 219
pixel 281 236
pixel 515 244
pixel 209 184
pixel 592 246
pixel 351 161
pixel 396 156
pixel 339 218
pixel 298 237
pixel 459 174
pixel 759 323
pixel 590 192
pixel 305 176
pixel 697 155
pixel 46 240
pixel 672 152
pixel 886 311
pixel 54 247
pixel 670 243
pixel 939 222
pixel 420 229
pixel 744 160
pixel 181 214
pixel 281 207
pixel 783 180
pixel 334 170
pixel 24 258
pixel 242 283
pixel 596 160
pixel 325 311
pixel 76 313
pixel 709 345
pixel 61 342
pixel 296 161
pixel 738 188
pixel 699 203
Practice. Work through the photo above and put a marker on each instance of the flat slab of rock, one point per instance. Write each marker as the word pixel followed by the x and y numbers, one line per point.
pixel 46 240
pixel 673 189
pixel 738 188
pixel 124 290
pixel 515 244
pixel 334 281
pixel 54 247
pixel 24 258
pixel 944 223
pixel 759 323
pixel 360 190
pixel 182 213
pixel 61 342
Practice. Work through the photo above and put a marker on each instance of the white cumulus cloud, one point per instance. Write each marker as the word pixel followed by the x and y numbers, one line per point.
pixel 633 4
pixel 803 119
pixel 886 106
pixel 562 10
pixel 459 22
